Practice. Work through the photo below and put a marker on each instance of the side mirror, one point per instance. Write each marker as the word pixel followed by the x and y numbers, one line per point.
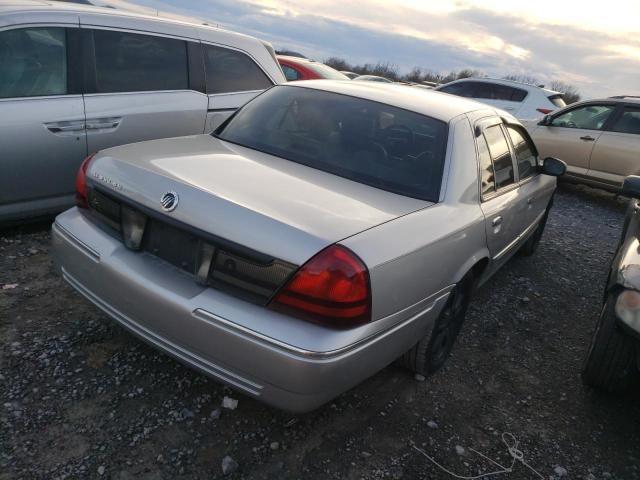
pixel 555 167
pixel 546 120
pixel 631 186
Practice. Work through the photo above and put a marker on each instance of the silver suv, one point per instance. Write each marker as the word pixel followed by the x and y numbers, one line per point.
pixel 78 79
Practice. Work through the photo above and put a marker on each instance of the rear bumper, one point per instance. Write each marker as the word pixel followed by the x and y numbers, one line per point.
pixel 258 352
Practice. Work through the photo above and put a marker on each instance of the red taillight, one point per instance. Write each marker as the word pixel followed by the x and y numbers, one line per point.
pixel 544 111
pixel 81 183
pixel 332 288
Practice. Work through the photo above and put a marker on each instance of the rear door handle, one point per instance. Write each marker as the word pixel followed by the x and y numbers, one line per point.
pixel 587 138
pixel 496 221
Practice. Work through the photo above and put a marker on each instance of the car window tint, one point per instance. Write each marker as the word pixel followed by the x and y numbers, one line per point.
pixel 629 121
pixel 518 95
pixel 289 73
pixel 502 162
pixel 525 158
pixel 232 71
pixel 362 140
pixel 33 62
pixel 129 62
pixel 486 167
pixel 591 117
pixel 462 89
pixel 484 90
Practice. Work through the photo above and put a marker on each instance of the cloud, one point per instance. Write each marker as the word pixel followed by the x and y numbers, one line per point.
pixel 448 37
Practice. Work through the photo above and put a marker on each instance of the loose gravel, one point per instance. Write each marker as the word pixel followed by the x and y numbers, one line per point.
pixel 81 398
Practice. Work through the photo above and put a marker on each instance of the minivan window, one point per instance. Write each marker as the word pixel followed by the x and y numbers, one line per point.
pixel 525 158
pixel 130 62
pixel 628 122
pixel 502 161
pixel 365 141
pixel 232 71
pixel 33 62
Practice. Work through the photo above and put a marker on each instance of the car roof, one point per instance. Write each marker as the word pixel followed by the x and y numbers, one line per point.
pixel 21 6
pixel 623 99
pixel 511 83
pixel 438 105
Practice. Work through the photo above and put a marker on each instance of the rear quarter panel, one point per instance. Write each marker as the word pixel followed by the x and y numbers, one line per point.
pixel 415 256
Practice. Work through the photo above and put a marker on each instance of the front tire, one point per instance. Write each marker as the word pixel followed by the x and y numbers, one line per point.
pixel 430 353
pixel 610 363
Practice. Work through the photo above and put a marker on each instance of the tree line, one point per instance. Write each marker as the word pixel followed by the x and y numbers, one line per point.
pixel 418 75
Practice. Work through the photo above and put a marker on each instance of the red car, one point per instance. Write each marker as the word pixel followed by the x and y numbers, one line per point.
pixel 296 68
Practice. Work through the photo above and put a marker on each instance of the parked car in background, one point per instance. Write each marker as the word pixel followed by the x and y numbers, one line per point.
pixel 351 75
pixel 523 101
pixel 372 78
pixel 598 139
pixel 352 223
pixel 76 79
pixel 295 68
pixel 613 357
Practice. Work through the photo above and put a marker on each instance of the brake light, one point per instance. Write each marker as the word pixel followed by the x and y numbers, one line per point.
pixel 544 111
pixel 332 288
pixel 81 183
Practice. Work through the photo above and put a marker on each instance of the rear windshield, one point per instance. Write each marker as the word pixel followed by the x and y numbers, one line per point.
pixel 557 100
pixel 325 71
pixel 367 142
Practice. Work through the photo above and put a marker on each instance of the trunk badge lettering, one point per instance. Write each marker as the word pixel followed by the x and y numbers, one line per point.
pixel 169 201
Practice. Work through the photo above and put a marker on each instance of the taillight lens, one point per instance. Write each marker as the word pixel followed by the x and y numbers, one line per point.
pixel 544 111
pixel 332 288
pixel 81 183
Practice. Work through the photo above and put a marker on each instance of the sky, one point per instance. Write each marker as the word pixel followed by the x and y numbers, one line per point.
pixel 592 45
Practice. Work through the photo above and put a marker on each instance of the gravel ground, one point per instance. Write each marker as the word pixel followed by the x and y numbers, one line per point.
pixel 81 398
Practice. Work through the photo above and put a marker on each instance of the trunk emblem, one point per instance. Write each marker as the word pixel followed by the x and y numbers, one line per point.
pixel 169 201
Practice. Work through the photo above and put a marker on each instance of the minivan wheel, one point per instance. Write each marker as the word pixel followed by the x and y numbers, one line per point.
pixel 430 353
pixel 610 363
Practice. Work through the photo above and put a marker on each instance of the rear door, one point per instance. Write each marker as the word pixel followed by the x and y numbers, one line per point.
pixel 138 83
pixel 616 153
pixel 233 78
pixel 502 204
pixel 42 135
pixel 572 134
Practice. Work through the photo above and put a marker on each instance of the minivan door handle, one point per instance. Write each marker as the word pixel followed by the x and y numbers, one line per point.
pixel 496 221
pixel 72 127
pixel 103 123
pixel 587 138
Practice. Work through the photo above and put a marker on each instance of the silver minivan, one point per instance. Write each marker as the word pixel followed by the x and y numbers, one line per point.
pixel 77 79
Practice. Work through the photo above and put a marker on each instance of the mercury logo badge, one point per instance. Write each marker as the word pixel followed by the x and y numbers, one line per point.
pixel 169 201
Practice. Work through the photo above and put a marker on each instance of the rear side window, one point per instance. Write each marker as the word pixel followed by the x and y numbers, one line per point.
pixel 365 141
pixel 494 91
pixel 486 167
pixel 33 62
pixel 629 121
pixel 289 73
pixel 129 62
pixel 501 156
pixel 232 71
pixel 525 158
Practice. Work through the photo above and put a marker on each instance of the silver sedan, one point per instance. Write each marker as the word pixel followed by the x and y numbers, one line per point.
pixel 322 232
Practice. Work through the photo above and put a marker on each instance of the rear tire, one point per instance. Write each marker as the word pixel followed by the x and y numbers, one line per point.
pixel 610 363
pixel 431 352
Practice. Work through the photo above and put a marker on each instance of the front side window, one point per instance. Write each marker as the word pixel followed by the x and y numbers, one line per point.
pixel 462 89
pixel 590 117
pixel 289 73
pixel 501 156
pixel 232 71
pixel 629 121
pixel 365 141
pixel 33 62
pixel 130 62
pixel 525 158
pixel 486 167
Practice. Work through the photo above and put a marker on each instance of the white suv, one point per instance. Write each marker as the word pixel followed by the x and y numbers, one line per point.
pixel 523 101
